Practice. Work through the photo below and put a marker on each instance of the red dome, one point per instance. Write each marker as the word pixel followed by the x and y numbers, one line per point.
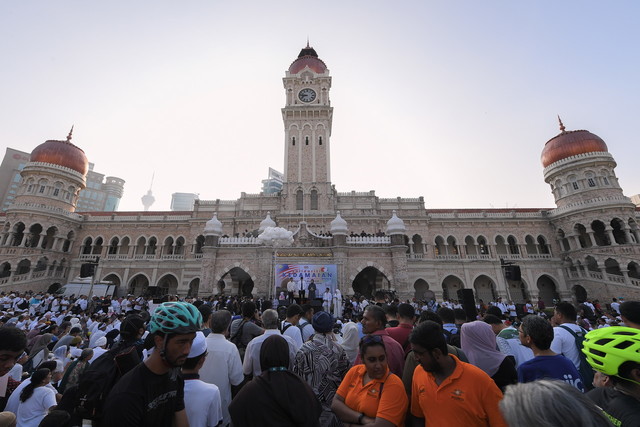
pixel 308 58
pixel 571 143
pixel 61 153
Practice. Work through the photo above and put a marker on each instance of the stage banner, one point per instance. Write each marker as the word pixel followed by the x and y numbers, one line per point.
pixel 323 275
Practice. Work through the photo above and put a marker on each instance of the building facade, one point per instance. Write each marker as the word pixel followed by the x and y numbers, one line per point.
pixel 587 245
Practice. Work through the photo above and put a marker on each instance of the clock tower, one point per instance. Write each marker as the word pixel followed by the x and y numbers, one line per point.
pixel 307 117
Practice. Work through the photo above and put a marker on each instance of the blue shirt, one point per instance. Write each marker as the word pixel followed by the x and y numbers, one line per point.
pixel 555 367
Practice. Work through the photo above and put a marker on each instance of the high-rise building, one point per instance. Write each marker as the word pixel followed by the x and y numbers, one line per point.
pixel 183 201
pixel 273 184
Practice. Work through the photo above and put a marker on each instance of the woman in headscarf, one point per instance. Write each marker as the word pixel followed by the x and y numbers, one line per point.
pixel 277 397
pixel 39 352
pixel 75 369
pixel 479 344
pixel 60 354
pixel 350 340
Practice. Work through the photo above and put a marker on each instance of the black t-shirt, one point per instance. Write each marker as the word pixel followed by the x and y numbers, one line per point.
pixel 622 409
pixel 142 398
pixel 506 374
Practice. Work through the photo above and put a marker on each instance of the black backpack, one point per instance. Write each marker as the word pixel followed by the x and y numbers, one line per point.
pixel 585 370
pixel 452 339
pixel 99 378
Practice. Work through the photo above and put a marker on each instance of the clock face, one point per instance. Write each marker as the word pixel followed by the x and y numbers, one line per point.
pixel 307 95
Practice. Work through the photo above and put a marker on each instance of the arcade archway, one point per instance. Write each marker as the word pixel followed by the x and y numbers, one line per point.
pixel 547 290
pixel 485 289
pixel 238 281
pixel 138 285
pixel 421 288
pixel 450 286
pixel 368 281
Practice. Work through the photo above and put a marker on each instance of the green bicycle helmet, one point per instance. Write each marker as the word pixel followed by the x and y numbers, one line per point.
pixel 175 318
pixel 608 348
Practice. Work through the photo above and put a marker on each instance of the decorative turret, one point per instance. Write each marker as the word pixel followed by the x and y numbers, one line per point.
pixel 267 222
pixel 339 226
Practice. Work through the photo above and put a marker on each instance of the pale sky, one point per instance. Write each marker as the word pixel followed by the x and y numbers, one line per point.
pixel 450 100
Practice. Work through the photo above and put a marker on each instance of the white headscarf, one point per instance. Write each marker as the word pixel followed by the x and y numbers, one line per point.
pixel 350 340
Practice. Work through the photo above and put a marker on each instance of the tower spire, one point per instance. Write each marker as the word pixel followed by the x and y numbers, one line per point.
pixel 70 134
pixel 561 124
pixel 307 42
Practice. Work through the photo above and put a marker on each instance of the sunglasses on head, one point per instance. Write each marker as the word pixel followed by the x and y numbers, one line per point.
pixel 368 339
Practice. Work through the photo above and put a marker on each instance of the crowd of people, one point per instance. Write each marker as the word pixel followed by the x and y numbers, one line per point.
pixel 224 361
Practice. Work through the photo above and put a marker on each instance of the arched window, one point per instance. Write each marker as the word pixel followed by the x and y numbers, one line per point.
pixel 306 140
pixel 319 140
pixel 591 180
pixel 293 140
pixel 574 182
pixel 299 200
pixel 314 200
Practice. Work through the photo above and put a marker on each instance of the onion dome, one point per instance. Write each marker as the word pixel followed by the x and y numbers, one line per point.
pixel 308 58
pixel 61 153
pixel 395 225
pixel 267 222
pixel 570 143
pixel 339 225
pixel 213 226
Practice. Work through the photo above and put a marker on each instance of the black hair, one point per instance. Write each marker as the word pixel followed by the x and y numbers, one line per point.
pixel 495 311
pixel 205 311
pixel 631 311
pixel 12 339
pixel 391 310
pixel 294 310
pixel 406 310
pixel 492 319
pixel 428 335
pixel 459 313
pixel 377 313
pixel 192 362
pixel 306 308
pixel 248 309
pixel 370 341
pixel 567 310
pixel 36 381
pixel 49 364
pixel 539 330
pixel 447 315
pixel 131 325
pixel 430 315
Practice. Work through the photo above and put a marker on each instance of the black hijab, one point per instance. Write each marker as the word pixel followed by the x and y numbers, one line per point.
pixel 277 397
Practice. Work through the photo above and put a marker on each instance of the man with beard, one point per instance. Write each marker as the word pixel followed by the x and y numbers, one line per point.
pixel 152 393
pixel 446 391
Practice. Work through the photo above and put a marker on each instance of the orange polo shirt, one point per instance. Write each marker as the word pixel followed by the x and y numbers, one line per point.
pixel 467 398
pixel 391 405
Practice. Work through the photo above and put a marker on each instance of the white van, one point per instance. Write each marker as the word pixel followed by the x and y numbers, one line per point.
pixel 82 286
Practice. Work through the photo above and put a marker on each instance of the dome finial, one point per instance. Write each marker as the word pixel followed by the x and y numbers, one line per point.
pixel 70 134
pixel 561 124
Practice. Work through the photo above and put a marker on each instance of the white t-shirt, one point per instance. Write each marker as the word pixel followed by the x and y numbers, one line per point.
pixel 294 332
pixel 35 408
pixel 14 399
pixel 222 367
pixel 565 344
pixel 202 403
